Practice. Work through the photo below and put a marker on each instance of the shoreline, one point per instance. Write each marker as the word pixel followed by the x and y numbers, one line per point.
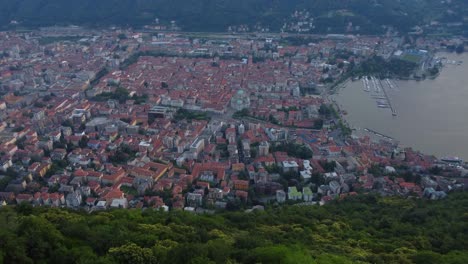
pixel 384 125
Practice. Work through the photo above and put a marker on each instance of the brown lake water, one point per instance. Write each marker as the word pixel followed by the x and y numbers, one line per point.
pixel 431 115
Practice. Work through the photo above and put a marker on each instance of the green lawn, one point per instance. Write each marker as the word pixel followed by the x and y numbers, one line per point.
pixel 412 58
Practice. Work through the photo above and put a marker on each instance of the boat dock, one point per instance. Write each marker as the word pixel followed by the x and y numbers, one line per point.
pixel 378 134
pixel 374 86
pixel 366 84
pixel 388 100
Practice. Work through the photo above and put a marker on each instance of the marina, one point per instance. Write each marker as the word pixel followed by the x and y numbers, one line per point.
pixel 376 89
pixel 431 114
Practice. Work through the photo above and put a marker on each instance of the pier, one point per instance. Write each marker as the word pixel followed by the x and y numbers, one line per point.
pixel 378 134
pixel 388 99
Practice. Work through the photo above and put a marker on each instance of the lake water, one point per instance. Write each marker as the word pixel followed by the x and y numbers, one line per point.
pixel 432 115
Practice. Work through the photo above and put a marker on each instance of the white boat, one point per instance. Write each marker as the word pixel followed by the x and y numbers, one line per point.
pixel 452 159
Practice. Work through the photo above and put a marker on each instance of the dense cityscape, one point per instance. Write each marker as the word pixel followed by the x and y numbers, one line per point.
pixel 233 131
pixel 118 118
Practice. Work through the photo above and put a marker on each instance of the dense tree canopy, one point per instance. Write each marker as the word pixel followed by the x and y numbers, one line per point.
pixel 294 150
pixel 362 229
pixel 382 68
pixel 216 15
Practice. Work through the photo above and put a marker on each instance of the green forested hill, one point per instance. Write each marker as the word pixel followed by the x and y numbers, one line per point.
pixel 217 15
pixel 363 229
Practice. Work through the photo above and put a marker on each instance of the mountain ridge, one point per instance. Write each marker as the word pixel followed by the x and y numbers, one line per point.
pixel 217 15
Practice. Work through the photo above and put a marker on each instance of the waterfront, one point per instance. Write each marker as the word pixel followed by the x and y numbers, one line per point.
pixel 431 114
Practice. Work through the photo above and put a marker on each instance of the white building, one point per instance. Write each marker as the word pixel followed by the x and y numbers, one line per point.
pixel 241 129
pixel 290 166
pixel 196 147
pixel 307 172
pixel 263 148
pixel 119 203
pixel 389 170
pixel 280 196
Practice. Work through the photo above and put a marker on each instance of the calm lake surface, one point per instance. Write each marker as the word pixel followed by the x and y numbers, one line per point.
pixel 431 115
